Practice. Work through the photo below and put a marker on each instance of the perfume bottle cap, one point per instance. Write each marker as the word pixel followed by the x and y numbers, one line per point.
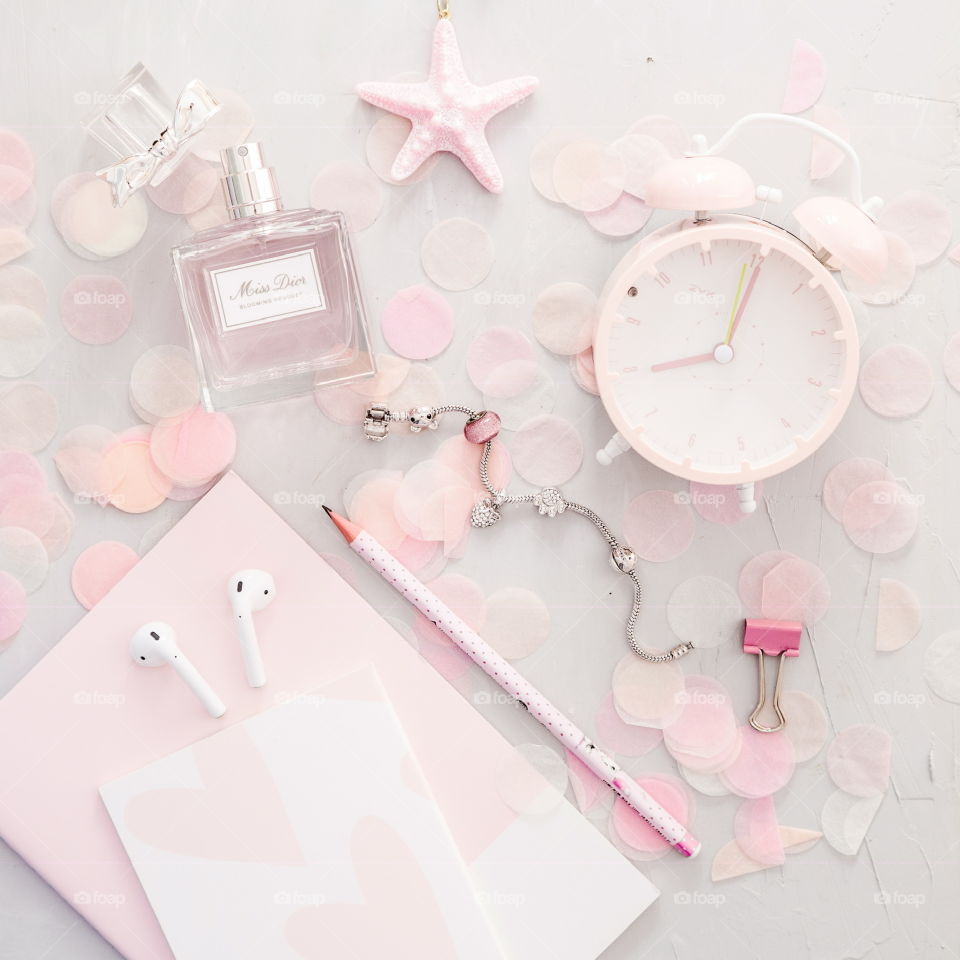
pixel 249 185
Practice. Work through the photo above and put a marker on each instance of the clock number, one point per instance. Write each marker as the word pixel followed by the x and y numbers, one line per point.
pixel 629 369
pixel 818 333
pixel 661 278
pixel 706 258
pixel 756 260
pixel 814 382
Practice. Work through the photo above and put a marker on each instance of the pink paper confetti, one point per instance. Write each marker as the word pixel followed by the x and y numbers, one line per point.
pixel 24 340
pixel 99 569
pixel 951 361
pixel 564 318
pixel 626 215
pixel 492 350
pixel 193 447
pixel 431 496
pixel 641 155
pixel 795 589
pixel 14 243
pixel 180 494
pixel 845 477
pixel 648 694
pixel 765 764
pixel 352 188
pixel 21 286
pixel 659 525
pixel 629 740
pixel 96 308
pixel 825 157
pixel 634 831
pixel 29 416
pixel 517 622
pixel 547 451
pixel 463 596
pixel 718 503
pixel 464 458
pixel 807 726
pixel 24 557
pixel 516 409
pixel 665 129
pixel 417 323
pixel 731 861
pixel 758 833
pixel 896 381
pixel 384 141
pixel 137 484
pixel 806 79
pixel 230 125
pixel 544 156
pixel 163 382
pixel 941 666
pixel 846 819
pixel 705 611
pixel 19 463
pixel 587 787
pixel 89 222
pixel 584 371
pixel 750 584
pixel 18 198
pixel 881 517
pixel 372 507
pixel 588 175
pixel 16 152
pixel 894 281
pixel 899 615
pixel 920 218
pixel 418 555
pixel 706 726
pixel 457 254
pixel 858 760
pixel 13 607
pixel 189 188
pixel 80 460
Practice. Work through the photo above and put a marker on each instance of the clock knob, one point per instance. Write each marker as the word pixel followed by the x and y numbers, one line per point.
pixel 746 493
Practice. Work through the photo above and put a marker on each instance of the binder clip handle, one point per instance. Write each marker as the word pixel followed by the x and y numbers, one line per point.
pixel 771 638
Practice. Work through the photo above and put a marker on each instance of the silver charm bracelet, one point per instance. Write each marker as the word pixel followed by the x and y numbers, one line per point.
pixel 481 428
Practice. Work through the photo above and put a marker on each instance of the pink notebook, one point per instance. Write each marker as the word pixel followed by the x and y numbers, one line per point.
pixel 86 715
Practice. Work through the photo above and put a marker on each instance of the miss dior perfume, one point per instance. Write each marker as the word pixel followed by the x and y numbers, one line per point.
pixel 271 298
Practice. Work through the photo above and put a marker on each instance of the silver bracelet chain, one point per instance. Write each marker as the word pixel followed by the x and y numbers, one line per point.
pixel 481 428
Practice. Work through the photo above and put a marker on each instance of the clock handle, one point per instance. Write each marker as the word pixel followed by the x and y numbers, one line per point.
pixel 746 493
pixel 615 446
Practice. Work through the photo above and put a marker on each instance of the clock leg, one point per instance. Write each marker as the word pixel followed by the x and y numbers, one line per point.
pixel 746 493
pixel 615 446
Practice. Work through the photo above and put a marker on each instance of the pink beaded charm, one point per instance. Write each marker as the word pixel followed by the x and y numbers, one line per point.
pixel 482 428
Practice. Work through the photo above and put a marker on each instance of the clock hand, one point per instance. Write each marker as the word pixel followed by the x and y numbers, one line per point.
pixel 743 304
pixel 736 303
pixel 683 362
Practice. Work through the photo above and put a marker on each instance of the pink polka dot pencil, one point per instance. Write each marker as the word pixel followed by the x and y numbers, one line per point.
pixel 510 680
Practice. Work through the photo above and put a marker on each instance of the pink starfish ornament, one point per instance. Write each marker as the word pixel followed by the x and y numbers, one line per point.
pixel 448 112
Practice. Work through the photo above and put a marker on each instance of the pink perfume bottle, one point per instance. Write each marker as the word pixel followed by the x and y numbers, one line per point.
pixel 271 299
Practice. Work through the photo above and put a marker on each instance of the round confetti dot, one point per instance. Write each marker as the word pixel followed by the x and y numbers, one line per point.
pixel 544 156
pixel 709 784
pixel 880 517
pixel 14 243
pixel 588 788
pixel 384 141
pixel 659 525
pixel 795 589
pixel 758 833
pixel 517 408
pixel 765 764
pixel 641 155
pixel 163 382
pixel 547 451
pixel 18 198
pixel 230 125
pixel 896 381
pixel 24 288
pixel 137 484
pixel 845 477
pixel 718 503
pixel 29 416
pixel 24 340
pixel 14 184
pixel 417 323
pixel 705 725
pixel 626 215
pixel 532 780
pixel 463 457
pixel 564 318
pixel 922 220
pixel 895 280
pixel 588 175
pixel 189 188
pixel 99 569
pixel 422 386
pixel 750 584
pixel 806 78
pixel 464 597
pixel 858 760
pixel 951 361
pixel 57 538
pixel 351 188
pixel 807 726
pixel 704 611
pixel 584 372
pixel 92 226
pixel 517 622
pixel 13 607
pixel 665 129
pixel 16 152
pixel 648 694
pixel 192 448
pixel 634 831
pixel 941 666
pixel 180 494
pixel 23 557
pixel 845 820
pixel 213 214
pixel 457 254
pixel 19 463
pixel 899 615
pixel 627 739
pixel 371 507
pixel 80 460
pixel 96 309
pixel 493 350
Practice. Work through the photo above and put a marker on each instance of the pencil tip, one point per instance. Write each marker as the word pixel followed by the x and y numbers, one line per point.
pixel 327 510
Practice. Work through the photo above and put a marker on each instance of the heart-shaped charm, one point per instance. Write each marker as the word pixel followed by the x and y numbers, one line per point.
pixel 485 514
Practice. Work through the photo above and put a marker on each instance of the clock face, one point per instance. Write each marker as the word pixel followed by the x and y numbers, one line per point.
pixel 725 353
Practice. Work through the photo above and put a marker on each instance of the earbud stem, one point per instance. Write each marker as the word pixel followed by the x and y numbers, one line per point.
pixel 250 649
pixel 203 691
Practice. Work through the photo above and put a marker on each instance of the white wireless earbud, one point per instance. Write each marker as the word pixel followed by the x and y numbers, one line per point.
pixel 155 645
pixel 250 590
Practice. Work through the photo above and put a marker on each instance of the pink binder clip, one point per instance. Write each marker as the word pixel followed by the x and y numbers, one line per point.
pixel 775 638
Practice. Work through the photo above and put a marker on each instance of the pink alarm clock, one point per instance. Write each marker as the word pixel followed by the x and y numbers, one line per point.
pixel 725 350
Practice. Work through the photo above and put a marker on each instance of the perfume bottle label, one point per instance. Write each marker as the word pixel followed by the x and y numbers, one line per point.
pixel 274 289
